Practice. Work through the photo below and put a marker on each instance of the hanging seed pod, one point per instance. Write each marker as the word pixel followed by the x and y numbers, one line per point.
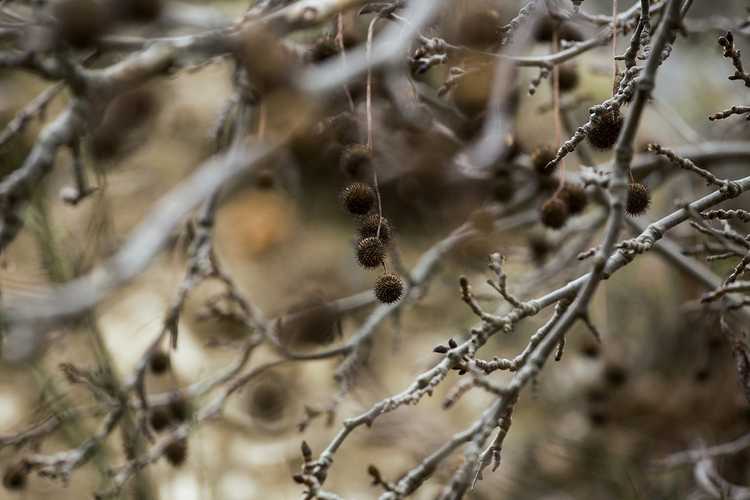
pixel 159 362
pixel 389 288
pixel 574 196
pixel 370 252
pixel 176 452
pixel 554 213
pixel 358 198
pixel 355 161
pixel 568 74
pixel 638 199
pixel 15 476
pixel 605 130
pixel 159 419
pixel 541 156
pixel 369 228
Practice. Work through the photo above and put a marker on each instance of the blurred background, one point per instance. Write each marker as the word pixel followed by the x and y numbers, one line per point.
pixel 662 380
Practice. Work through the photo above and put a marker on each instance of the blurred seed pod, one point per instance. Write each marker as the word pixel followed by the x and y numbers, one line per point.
pixel 268 62
pixel 356 161
pixel 159 362
pixel 554 213
pixel 138 11
pixel 539 247
pixel 568 74
pixel 323 48
pixel 615 375
pixel 176 452
pixel 605 130
pixel 179 409
pixel 546 26
pixel 574 196
pixel 312 322
pixel 269 399
pixel 15 476
pixel 479 28
pixel 540 157
pixel 80 23
pixel 124 115
pixel 159 418
pixel 472 92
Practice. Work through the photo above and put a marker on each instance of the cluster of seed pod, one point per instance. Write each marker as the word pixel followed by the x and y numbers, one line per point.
pixel 375 233
pixel 568 200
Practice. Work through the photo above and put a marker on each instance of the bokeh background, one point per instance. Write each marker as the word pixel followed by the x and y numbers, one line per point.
pixel 591 426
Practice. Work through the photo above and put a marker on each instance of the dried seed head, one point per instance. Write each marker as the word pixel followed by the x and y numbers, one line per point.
pixel 159 419
pixel 568 74
pixel 369 228
pixel 358 198
pixel 15 476
pixel 638 199
pixel 574 196
pixel 541 156
pixel 355 160
pixel 176 452
pixel 159 362
pixel 554 213
pixel 605 130
pixel 370 252
pixel 389 288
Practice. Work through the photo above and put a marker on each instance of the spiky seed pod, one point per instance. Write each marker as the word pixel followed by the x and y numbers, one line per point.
pixel 179 409
pixel 605 130
pixel 574 196
pixel 355 160
pixel 554 213
pixel 541 156
pixel 14 478
pixel 176 452
pixel 159 362
pixel 369 228
pixel 638 199
pixel 358 198
pixel 370 252
pixel 159 419
pixel 389 288
pixel 568 74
